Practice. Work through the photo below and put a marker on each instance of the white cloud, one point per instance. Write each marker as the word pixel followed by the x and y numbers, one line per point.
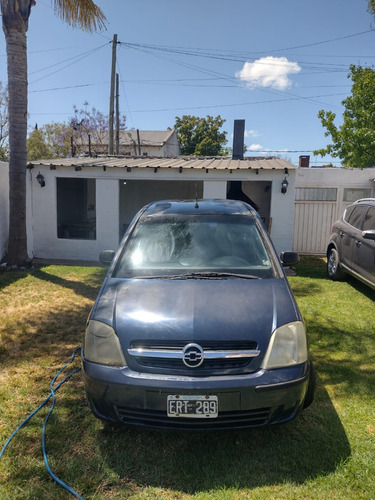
pixel 251 133
pixel 268 72
pixel 255 147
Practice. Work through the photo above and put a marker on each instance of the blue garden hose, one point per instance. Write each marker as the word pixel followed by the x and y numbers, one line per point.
pixel 51 395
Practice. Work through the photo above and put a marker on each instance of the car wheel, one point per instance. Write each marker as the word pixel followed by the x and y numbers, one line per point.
pixel 333 265
pixel 309 398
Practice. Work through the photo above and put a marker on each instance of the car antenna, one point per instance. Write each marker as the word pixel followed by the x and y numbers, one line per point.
pixel 196 197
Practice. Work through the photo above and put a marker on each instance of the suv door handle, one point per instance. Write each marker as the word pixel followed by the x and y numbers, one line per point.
pixel 358 243
pixel 342 234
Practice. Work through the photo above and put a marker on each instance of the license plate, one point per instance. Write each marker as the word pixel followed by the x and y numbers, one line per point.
pixel 192 406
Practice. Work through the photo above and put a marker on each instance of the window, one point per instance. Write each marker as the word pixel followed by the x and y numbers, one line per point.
pixel 356 216
pixel 316 194
pixel 348 212
pixel 369 222
pixel 76 208
pixel 354 194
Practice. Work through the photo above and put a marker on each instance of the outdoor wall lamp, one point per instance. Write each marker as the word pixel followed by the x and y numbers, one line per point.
pixel 40 179
pixel 284 186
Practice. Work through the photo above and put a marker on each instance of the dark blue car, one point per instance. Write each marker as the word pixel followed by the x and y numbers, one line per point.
pixel 195 326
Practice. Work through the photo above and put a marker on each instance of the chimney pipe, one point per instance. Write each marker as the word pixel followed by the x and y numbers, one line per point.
pixel 304 161
pixel 238 139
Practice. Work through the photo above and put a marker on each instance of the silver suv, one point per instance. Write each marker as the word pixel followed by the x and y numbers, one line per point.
pixel 351 247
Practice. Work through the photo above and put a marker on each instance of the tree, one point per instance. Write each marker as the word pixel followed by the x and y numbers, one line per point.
pixel 371 7
pixel 4 122
pixel 61 140
pixel 58 139
pixel 88 123
pixel 200 136
pixel 354 140
pixel 15 18
pixel 37 147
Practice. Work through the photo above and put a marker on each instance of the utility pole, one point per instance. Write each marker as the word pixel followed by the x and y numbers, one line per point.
pixel 112 96
pixel 117 118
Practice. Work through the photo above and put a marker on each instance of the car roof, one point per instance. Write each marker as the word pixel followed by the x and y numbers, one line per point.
pixel 370 201
pixel 199 207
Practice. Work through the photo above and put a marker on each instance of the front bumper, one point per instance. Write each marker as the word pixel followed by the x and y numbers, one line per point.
pixel 140 399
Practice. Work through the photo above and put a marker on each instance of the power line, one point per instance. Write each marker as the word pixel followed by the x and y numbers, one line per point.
pixel 295 98
pixel 64 88
pixel 79 56
pixel 330 40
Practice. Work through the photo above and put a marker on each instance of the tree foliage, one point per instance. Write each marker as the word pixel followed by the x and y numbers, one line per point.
pixel 37 147
pixel 62 140
pixel 200 136
pixel 89 124
pixel 371 7
pixel 354 141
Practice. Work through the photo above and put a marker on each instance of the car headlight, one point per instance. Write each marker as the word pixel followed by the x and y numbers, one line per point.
pixel 287 346
pixel 102 345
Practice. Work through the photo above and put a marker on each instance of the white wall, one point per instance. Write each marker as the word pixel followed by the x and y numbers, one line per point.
pixel 4 207
pixel 215 189
pixel 282 212
pixel 46 244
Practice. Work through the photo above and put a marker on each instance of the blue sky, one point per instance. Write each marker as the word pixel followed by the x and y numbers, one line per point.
pixel 273 63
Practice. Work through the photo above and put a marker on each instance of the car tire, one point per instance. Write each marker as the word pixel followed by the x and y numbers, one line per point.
pixel 334 271
pixel 310 394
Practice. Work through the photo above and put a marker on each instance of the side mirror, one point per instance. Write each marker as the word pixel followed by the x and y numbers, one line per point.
pixel 369 235
pixel 106 256
pixel 289 258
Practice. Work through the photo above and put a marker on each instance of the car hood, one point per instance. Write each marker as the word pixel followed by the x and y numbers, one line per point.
pixel 195 310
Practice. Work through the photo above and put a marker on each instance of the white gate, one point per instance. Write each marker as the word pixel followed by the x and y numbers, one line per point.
pixel 315 212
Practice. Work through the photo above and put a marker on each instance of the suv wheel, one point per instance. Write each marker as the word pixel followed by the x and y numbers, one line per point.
pixel 333 265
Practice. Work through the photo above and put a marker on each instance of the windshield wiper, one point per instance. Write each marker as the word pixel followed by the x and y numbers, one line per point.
pixel 159 277
pixel 197 275
pixel 218 275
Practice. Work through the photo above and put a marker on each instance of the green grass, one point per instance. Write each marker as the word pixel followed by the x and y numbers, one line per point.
pixel 327 453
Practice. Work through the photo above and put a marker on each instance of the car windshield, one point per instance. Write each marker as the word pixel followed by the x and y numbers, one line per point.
pixel 195 247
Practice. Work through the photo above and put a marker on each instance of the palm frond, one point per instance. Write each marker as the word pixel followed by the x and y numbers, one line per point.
pixel 84 14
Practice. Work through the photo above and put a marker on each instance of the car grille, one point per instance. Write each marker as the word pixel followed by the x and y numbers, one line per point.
pixel 225 420
pixel 221 365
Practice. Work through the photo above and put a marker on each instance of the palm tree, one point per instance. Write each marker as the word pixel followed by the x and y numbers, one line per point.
pixel 84 14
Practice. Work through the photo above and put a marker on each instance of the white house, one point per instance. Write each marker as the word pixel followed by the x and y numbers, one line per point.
pixel 135 142
pixel 84 205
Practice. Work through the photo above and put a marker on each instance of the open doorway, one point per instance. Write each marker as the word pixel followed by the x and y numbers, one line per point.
pixel 255 193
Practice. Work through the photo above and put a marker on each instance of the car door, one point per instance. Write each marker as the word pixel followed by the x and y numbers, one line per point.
pixel 349 234
pixel 364 249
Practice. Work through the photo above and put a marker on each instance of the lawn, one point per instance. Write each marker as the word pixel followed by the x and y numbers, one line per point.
pixel 328 452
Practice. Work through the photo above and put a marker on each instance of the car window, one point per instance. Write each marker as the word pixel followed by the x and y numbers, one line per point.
pixel 348 213
pixel 355 218
pixel 178 245
pixel 369 221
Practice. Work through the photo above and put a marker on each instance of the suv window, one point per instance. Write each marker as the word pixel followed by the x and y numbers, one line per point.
pixel 356 216
pixel 348 213
pixel 369 222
